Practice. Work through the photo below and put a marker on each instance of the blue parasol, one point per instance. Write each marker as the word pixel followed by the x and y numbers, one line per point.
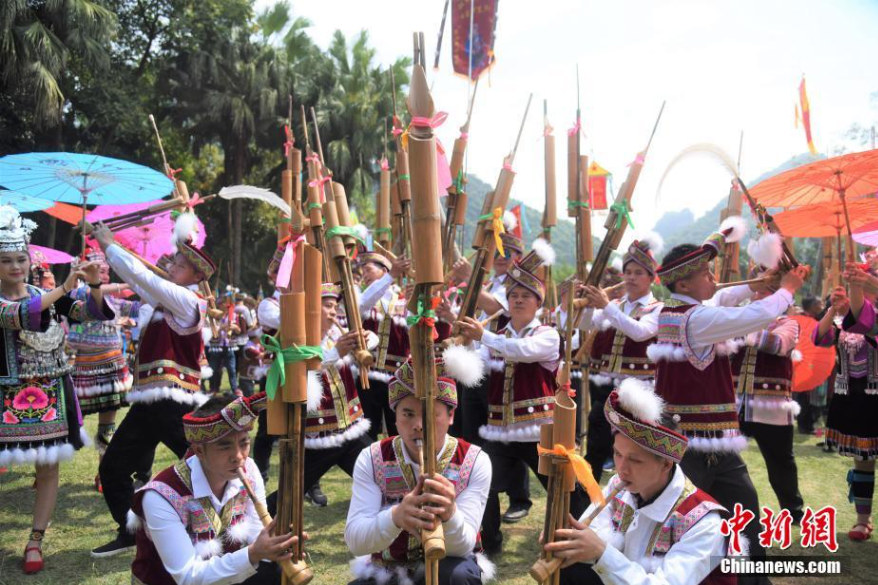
pixel 23 203
pixel 82 179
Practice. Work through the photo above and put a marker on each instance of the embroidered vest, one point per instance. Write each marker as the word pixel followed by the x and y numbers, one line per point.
pixel 617 356
pixel 168 362
pixel 393 336
pixel 853 360
pixel 699 392
pixel 207 529
pixel 760 373
pixel 519 392
pixel 396 478
pixel 339 408
pixel 691 506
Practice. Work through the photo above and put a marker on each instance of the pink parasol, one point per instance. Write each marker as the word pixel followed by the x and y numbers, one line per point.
pixel 867 234
pixel 152 240
pixel 43 255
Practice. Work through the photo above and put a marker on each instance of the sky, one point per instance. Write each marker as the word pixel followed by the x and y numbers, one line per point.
pixel 722 67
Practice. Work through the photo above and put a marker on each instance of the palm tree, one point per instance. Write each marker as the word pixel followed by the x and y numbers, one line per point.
pixel 351 115
pixel 234 92
pixel 39 39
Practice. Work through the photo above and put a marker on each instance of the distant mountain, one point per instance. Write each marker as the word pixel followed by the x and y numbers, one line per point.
pixel 673 221
pixel 563 237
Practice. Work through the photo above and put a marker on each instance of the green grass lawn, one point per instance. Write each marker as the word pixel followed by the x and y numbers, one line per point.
pixel 82 522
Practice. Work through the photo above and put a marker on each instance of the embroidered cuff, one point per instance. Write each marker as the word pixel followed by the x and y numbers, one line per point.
pixel 864 324
pixel 826 340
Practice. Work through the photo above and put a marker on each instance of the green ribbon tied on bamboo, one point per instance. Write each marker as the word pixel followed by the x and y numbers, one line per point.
pixel 576 204
pixel 342 230
pixel 622 211
pixel 426 314
pixel 283 356
pixel 459 181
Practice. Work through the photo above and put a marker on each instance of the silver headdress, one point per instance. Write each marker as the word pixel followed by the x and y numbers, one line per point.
pixel 15 231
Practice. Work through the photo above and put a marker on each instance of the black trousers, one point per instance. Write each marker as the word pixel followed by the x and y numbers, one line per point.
pixel 504 457
pixel 376 407
pixel 263 442
pixel 599 437
pixel 266 574
pixel 776 444
pixel 473 411
pixel 452 571
pixel 805 419
pixel 580 574
pixel 724 476
pixel 135 440
pixel 319 461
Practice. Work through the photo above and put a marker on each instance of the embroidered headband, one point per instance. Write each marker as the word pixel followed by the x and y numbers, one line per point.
pixel 238 415
pixel 634 409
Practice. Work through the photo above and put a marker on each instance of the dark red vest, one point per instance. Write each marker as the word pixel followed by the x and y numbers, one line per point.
pixel 617 356
pixel 339 406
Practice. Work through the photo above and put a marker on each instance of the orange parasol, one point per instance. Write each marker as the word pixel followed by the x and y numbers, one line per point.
pixel 816 363
pixel 851 176
pixel 824 220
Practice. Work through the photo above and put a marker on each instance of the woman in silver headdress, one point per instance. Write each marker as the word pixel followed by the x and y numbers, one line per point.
pixel 39 415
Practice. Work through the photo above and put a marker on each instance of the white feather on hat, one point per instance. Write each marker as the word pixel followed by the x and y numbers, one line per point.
pixel 184 228
pixel 654 242
pixel 736 227
pixel 544 250
pixel 638 398
pixel 510 222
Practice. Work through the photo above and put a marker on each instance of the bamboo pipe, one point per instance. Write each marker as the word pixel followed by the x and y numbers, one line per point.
pixel 297 572
pixel 544 569
pixel 461 340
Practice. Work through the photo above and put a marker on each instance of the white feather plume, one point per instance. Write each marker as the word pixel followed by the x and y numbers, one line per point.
pixel 314 391
pixel 361 231
pixel 767 250
pixel 655 242
pixel 638 398
pixel 464 365
pixel 510 222
pixel 738 228
pixel 185 228
pixel 544 250
pixel 704 148
pixel 250 192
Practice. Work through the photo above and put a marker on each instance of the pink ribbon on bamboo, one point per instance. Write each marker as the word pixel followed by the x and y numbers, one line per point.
pixel 575 130
pixel 289 143
pixel 286 264
pixel 195 200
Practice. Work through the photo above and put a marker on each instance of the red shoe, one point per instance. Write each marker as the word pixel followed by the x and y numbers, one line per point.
pixel 860 535
pixel 31 567
pixel 98 487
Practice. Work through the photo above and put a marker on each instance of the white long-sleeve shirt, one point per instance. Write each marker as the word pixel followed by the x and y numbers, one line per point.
pixel 688 561
pixel 370 526
pixel 379 290
pixel 542 346
pixel 722 320
pixel 619 317
pixel 268 311
pixel 181 302
pixel 174 545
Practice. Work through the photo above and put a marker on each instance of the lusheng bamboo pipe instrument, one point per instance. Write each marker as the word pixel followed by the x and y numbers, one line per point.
pixel 461 340
pixel 543 569
pixel 484 238
pixel 403 180
pixel 427 259
pixel 296 572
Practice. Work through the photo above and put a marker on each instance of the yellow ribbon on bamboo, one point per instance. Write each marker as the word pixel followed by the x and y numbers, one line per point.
pixel 581 469
pixel 496 219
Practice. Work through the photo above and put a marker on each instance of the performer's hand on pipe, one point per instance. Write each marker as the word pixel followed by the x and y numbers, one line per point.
pixel 771 281
pixel 440 495
pixel 596 297
pixel 272 548
pixel 795 278
pixel 578 544
pixel 346 343
pixel 471 329
pixel 103 235
pixel 408 514
pixel 400 267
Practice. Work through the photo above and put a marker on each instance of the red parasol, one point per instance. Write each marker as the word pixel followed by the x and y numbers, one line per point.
pixel 816 363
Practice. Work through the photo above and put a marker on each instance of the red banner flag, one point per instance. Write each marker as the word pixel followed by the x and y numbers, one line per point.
pixel 597 186
pixel 516 211
pixel 806 116
pixel 484 21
